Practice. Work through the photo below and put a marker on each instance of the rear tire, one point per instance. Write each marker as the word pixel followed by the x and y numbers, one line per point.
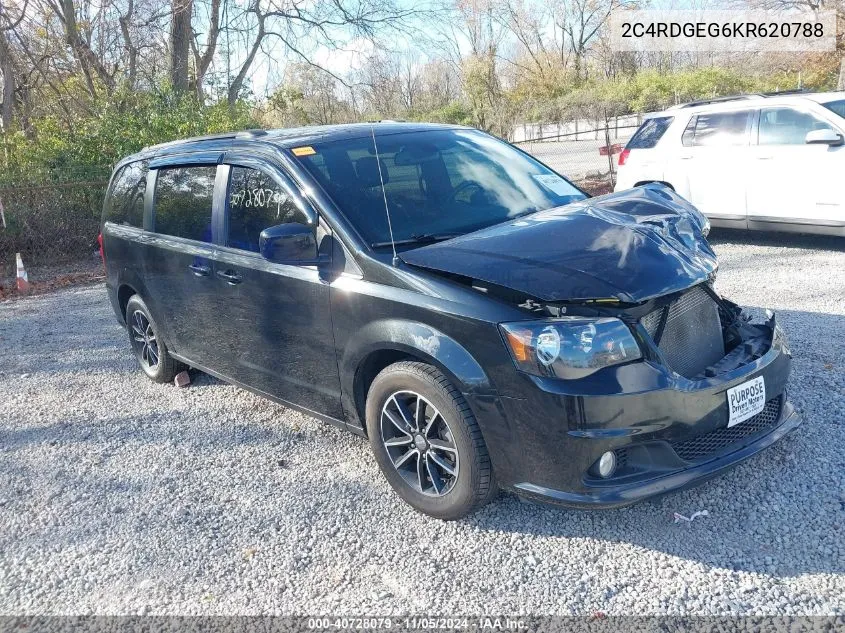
pixel 147 344
pixel 427 442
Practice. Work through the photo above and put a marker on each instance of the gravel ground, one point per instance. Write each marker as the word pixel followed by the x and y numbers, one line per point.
pixel 119 496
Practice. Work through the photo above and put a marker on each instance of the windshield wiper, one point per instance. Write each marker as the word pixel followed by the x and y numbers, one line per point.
pixel 422 238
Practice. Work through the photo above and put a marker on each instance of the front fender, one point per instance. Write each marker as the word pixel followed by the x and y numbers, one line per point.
pixel 423 341
pixel 415 339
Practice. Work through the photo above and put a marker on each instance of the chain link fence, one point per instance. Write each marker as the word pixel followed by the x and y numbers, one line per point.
pixel 587 156
pixel 50 216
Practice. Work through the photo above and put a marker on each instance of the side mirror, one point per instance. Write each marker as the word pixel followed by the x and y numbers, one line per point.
pixel 824 137
pixel 290 243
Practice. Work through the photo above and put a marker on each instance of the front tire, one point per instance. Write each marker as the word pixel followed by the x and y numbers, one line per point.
pixel 427 442
pixel 146 342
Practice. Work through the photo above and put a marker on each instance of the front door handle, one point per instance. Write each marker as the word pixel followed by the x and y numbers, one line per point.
pixel 199 270
pixel 229 276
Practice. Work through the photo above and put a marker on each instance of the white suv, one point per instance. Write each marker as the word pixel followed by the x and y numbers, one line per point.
pixel 755 161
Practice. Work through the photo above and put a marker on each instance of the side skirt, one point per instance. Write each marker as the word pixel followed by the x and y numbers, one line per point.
pixel 797 225
pixel 290 405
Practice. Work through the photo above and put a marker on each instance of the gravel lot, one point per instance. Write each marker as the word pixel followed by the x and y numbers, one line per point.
pixel 119 496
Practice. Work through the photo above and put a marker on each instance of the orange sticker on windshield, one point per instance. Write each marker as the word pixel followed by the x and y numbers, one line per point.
pixel 304 151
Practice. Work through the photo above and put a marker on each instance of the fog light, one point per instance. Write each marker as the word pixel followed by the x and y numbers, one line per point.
pixel 607 464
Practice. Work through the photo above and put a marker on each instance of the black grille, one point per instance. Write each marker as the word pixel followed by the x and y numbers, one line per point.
pixel 621 458
pixel 692 339
pixel 715 441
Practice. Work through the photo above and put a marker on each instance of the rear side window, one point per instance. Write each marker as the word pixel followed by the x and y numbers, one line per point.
pixel 650 132
pixel 256 202
pixel 720 129
pixel 126 200
pixel 183 201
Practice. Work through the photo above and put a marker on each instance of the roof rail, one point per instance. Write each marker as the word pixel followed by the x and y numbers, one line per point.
pixel 207 137
pixel 702 102
pixel 221 136
pixel 253 133
pixel 777 93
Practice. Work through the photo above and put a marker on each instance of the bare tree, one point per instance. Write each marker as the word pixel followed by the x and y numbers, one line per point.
pixel 91 64
pixel 180 43
pixel 203 60
pixel 380 84
pixel 815 6
pixel 579 22
pixel 298 27
pixel 9 73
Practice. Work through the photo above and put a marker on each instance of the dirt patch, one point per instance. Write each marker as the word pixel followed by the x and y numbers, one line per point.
pixel 596 187
pixel 43 279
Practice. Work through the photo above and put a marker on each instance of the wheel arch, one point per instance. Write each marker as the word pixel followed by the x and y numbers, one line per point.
pixel 383 343
pixel 124 294
pixel 657 182
pixel 130 283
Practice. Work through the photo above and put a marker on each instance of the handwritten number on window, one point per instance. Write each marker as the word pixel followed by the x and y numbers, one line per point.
pixel 258 197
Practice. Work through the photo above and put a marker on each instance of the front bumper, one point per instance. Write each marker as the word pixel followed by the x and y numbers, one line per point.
pixel 626 494
pixel 670 432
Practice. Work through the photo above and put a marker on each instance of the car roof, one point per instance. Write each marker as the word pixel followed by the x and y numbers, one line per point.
pixel 742 101
pixel 825 97
pixel 284 137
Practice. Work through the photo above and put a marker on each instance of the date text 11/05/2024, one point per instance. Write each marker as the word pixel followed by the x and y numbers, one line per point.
pixel 487 623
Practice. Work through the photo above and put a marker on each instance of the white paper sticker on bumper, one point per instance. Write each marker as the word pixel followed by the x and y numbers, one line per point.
pixel 746 400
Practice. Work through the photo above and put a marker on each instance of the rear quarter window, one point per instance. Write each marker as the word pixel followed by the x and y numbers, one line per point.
pixel 125 203
pixel 650 132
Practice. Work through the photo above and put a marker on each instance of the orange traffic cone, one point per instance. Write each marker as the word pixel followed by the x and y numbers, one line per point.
pixel 23 281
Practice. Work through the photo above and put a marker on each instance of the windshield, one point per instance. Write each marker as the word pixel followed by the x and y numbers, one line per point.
pixel 438 183
pixel 837 107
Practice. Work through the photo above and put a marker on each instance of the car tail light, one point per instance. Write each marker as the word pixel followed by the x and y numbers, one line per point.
pixel 623 156
pixel 102 252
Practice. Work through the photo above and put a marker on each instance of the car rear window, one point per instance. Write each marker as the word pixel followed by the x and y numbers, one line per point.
pixel 183 201
pixel 650 132
pixel 125 204
pixel 719 129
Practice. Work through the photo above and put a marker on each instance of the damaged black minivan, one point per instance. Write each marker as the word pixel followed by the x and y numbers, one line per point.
pixel 480 319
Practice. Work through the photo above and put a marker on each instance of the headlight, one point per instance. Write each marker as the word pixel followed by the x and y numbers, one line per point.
pixel 569 347
pixel 703 221
pixel 779 340
pixel 705 225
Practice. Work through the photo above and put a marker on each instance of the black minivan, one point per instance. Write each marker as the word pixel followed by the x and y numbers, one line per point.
pixel 480 319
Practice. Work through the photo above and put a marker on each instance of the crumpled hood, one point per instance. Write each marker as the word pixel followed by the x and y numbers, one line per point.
pixel 632 245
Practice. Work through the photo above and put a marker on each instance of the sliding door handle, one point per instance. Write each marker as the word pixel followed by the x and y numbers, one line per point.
pixel 229 276
pixel 200 270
